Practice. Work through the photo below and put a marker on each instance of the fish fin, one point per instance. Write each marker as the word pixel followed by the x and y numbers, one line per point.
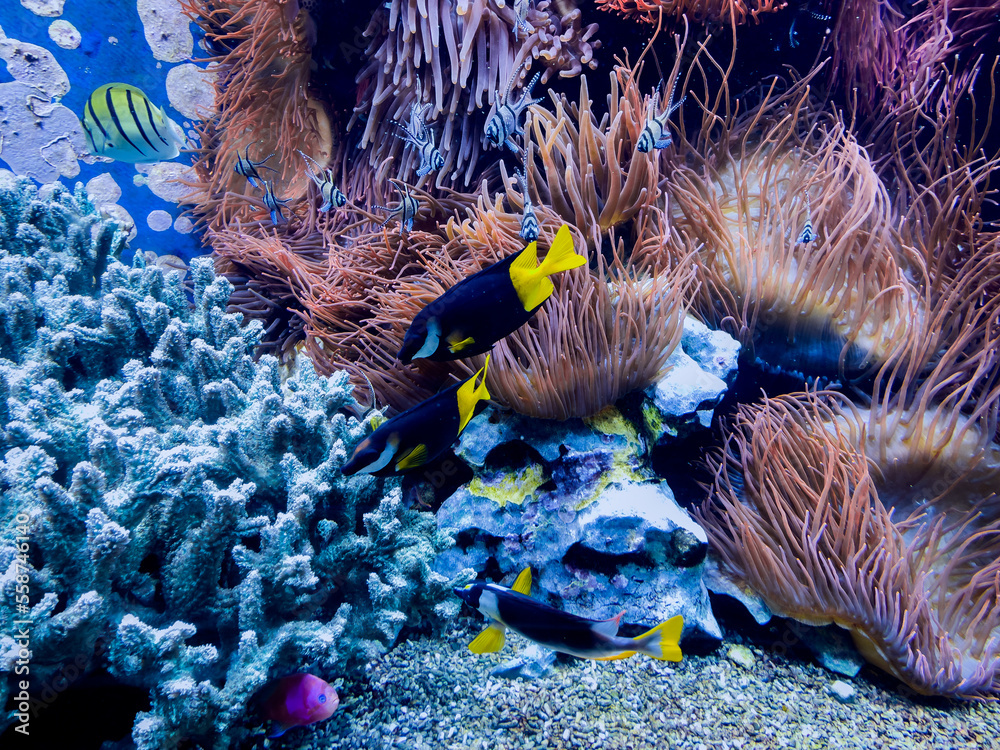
pixel 413 458
pixel 622 655
pixel 489 641
pixel 609 627
pixel 469 394
pixel 522 584
pixel 535 287
pixel 531 288
pixel 561 256
pixel 281 729
pixel 458 346
pixel 661 642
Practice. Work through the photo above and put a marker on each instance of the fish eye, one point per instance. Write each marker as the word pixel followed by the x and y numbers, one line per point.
pixel 322 698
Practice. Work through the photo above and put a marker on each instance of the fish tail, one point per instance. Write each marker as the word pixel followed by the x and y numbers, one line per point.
pixel 561 256
pixel 661 642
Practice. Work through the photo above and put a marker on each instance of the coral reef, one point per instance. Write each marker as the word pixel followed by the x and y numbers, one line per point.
pixel 189 529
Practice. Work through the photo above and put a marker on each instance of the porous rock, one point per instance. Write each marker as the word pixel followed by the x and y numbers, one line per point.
pixel 600 533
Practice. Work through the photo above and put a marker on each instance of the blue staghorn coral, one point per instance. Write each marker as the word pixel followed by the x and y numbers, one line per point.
pixel 189 529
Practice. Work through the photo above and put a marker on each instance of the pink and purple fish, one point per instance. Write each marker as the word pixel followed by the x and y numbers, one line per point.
pixel 297 700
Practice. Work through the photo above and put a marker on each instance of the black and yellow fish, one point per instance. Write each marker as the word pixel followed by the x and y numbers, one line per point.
pixel 561 631
pixel 120 122
pixel 489 305
pixel 422 433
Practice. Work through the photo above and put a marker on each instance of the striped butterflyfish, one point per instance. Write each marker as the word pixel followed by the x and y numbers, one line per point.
pixel 422 433
pixel 120 122
pixel 485 307
pixel 561 631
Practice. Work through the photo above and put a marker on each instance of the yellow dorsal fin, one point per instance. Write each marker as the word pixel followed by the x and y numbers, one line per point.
pixel 522 584
pixel 530 282
pixel 489 641
pixel 469 394
pixel 413 458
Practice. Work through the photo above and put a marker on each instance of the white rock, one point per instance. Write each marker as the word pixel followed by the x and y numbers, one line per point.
pixel 65 34
pixel 842 691
pixel 191 90
pixel 167 29
pixel 45 8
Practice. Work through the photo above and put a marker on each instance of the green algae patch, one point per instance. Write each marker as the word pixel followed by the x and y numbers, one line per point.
pixel 626 455
pixel 610 421
pixel 513 486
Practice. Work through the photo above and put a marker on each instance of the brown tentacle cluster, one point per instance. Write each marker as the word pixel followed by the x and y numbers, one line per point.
pixel 856 283
pixel 724 11
pixel 264 106
pixel 463 53
pixel 817 506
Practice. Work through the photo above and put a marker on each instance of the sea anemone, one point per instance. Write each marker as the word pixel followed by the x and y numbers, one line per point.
pixel 461 54
pixel 885 522
pixel 847 299
pixel 264 106
pixel 725 11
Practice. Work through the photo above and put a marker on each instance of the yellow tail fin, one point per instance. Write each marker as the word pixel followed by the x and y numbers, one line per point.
pixel 530 281
pixel 561 256
pixel 661 642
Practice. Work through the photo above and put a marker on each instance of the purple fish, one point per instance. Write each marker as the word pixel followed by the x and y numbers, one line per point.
pixel 298 700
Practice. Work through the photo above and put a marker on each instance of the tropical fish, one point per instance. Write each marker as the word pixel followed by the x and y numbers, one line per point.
pixel 521 8
pixel 422 433
pixel 656 133
pixel 274 204
pixel 297 700
pixel 120 122
pixel 483 308
pixel 419 135
pixel 529 221
pixel 561 631
pixel 504 119
pixel 808 234
pixel 245 167
pixel 331 194
pixel 407 209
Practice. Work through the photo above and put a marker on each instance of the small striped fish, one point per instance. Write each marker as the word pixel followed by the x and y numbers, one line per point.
pixel 120 122
pixel 407 209
pixel 328 190
pixel 656 133
pixel 808 233
pixel 503 122
pixel 529 221
pixel 418 133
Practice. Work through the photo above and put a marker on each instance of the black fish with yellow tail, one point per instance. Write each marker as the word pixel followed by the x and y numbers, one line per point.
pixel 482 309
pixel 561 631
pixel 422 433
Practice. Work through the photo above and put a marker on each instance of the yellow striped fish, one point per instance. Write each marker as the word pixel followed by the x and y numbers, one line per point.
pixel 121 122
